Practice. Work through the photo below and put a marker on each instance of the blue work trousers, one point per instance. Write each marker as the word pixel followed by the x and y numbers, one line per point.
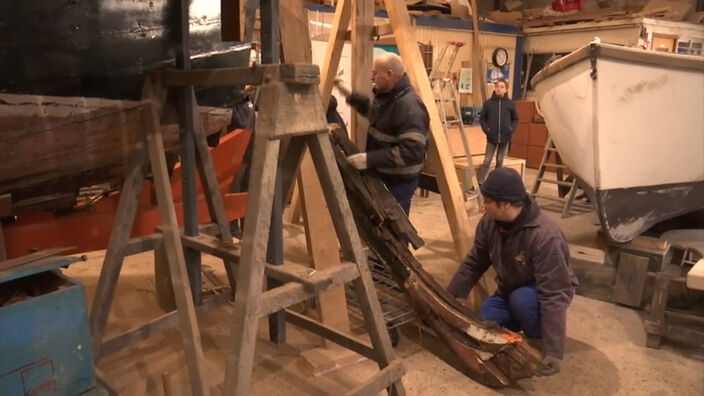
pixel 518 311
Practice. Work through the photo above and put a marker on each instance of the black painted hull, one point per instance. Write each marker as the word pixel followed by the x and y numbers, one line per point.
pixel 628 212
pixel 102 48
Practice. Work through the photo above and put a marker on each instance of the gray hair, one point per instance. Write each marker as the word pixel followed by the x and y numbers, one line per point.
pixel 392 62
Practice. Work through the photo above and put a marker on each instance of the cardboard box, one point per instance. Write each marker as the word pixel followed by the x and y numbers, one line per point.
pixel 521 135
pixel 518 150
pixel 526 110
pixel 534 157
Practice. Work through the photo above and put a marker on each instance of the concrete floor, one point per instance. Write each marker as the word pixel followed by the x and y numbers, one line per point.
pixel 606 351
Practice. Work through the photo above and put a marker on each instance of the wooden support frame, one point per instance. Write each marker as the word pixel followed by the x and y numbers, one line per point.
pixel 271 146
pixel 151 151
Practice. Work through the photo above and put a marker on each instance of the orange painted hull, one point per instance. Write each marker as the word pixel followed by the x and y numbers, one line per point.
pixel 90 229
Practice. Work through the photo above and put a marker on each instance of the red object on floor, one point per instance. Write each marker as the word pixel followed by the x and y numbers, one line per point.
pixel 566 5
pixel 90 229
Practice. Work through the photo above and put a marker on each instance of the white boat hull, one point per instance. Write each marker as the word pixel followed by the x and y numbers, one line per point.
pixel 630 125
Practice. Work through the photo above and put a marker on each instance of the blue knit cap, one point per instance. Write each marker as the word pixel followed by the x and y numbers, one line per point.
pixel 504 184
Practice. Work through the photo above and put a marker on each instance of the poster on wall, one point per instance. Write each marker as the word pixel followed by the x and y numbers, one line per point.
pixel 465 84
pixel 494 73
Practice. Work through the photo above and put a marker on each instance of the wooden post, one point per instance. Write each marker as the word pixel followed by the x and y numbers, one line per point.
pixel 438 151
pixel 320 232
pixel 362 54
pixel 478 57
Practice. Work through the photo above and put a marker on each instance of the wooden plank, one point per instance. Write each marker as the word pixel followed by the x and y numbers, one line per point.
pixel 334 335
pixel 240 355
pixel 361 62
pixel 477 56
pixel 156 326
pixel 438 151
pixel 293 293
pixel 143 244
pixel 231 20
pixel 304 74
pixel 17 261
pixel 115 252
pixel 211 189
pixel 630 279
pixel 321 240
pixel 336 196
pixel 333 51
pixel 188 324
pixel 382 380
pixel 336 41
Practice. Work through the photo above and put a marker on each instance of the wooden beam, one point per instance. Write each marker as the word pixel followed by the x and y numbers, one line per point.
pixel 231 20
pixel 438 150
pixel 321 240
pixel 228 76
pixel 380 30
pixel 478 56
pixel 362 54
pixel 340 338
pixel 387 376
pixel 336 41
pixel 156 326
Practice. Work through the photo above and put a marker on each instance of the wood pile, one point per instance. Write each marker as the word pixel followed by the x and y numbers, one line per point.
pixel 436 8
pixel 595 11
pixel 488 353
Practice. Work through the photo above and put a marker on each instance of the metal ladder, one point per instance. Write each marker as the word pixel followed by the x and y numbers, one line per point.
pixel 560 179
pixel 441 82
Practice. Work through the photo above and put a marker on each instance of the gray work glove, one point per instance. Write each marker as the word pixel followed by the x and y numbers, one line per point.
pixel 549 366
pixel 342 86
pixel 358 160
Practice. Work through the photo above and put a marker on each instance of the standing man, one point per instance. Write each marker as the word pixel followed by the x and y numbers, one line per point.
pixel 530 255
pixel 398 128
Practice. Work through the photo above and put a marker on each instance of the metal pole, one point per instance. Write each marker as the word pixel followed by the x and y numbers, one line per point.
pixel 188 154
pixel 275 255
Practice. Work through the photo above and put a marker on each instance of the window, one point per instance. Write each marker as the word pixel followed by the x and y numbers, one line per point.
pixel 690 47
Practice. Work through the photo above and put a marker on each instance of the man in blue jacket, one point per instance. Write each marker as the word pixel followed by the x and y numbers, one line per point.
pixel 530 255
pixel 499 120
pixel 398 128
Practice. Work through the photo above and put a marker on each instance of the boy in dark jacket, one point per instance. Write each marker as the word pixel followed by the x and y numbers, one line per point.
pixel 499 120
pixel 530 255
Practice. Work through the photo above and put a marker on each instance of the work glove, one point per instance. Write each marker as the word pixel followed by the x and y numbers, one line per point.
pixel 342 86
pixel 358 160
pixel 549 366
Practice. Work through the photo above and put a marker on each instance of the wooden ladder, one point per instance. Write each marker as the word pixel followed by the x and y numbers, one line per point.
pixel 441 83
pixel 560 180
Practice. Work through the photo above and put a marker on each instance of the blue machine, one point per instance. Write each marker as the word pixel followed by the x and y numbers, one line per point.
pixel 45 345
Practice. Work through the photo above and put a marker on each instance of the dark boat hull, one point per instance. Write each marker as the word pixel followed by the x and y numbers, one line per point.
pixel 103 48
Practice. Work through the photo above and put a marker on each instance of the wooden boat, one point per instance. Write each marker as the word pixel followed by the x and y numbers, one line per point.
pixel 52 146
pixel 629 123
pixel 104 48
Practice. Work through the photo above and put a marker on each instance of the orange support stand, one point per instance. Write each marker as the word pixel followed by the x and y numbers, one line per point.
pixel 90 229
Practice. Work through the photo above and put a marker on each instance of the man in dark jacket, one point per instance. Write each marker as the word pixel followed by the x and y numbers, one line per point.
pixel 499 120
pixel 530 255
pixel 398 128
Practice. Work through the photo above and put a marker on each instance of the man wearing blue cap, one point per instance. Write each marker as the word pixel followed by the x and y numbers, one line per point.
pixel 530 255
